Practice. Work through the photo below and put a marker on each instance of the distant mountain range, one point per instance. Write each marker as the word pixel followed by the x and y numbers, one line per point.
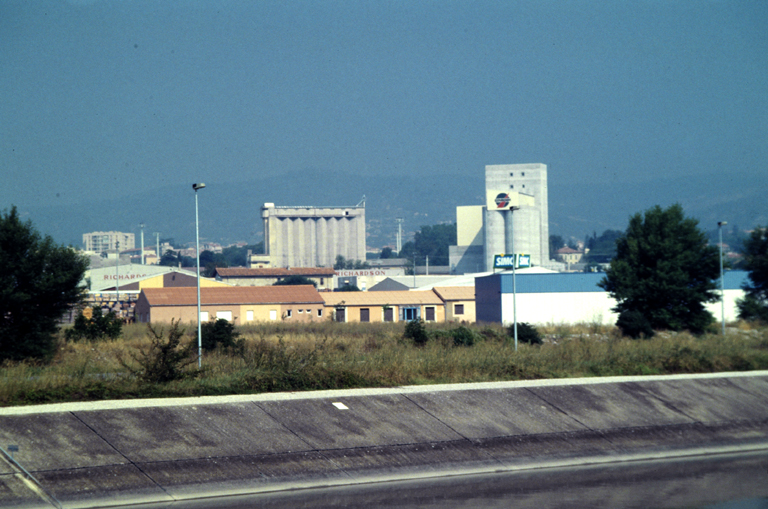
pixel 231 212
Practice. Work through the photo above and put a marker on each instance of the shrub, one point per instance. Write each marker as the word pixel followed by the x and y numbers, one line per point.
pixel 526 333
pixel 416 331
pixel 634 324
pixel 165 360
pixel 98 327
pixel 219 333
pixel 463 336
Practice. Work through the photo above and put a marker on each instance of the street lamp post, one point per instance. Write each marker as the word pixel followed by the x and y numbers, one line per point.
pixel 514 282
pixel 720 225
pixel 197 255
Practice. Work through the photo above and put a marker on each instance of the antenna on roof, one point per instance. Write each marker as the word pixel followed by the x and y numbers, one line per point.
pixel 362 202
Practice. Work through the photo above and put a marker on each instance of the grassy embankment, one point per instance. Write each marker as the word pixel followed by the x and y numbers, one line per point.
pixel 290 357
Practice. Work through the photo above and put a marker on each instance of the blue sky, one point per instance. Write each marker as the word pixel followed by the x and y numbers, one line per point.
pixel 99 99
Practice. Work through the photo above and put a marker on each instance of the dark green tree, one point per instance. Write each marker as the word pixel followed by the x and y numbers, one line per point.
pixel 754 305
pixel 347 288
pixel 174 259
pixel 219 333
pixel 386 253
pixel 98 327
pixel 603 248
pixel 39 282
pixel 665 270
pixel 295 280
pixel 344 264
pixel 555 242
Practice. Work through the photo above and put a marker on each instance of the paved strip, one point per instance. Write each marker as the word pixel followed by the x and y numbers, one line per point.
pixel 109 453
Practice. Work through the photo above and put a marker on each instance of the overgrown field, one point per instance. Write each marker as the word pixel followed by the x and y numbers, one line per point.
pixel 294 357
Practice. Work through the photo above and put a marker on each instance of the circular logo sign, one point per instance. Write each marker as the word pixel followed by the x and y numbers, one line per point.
pixel 502 200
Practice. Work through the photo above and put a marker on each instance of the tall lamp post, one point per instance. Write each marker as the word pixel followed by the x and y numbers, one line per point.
pixel 197 255
pixel 514 283
pixel 720 225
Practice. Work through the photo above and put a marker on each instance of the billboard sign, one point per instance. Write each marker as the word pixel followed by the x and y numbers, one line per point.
pixel 505 261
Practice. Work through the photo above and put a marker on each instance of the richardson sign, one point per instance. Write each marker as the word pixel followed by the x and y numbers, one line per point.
pixel 112 277
pixel 361 273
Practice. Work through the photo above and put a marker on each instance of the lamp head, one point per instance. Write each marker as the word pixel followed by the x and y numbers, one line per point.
pixel 722 223
pixel 198 186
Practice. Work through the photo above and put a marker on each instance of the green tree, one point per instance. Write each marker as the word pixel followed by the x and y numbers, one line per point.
pixel 98 327
pixel 386 253
pixel 295 280
pixel 174 259
pixel 556 242
pixel 219 333
pixel 665 270
pixel 603 248
pixel 39 282
pixel 347 288
pixel 344 264
pixel 754 305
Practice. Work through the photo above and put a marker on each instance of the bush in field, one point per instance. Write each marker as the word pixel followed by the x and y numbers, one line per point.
pixel 416 331
pixel 219 333
pixel 526 333
pixel 166 359
pixel 463 336
pixel 96 328
pixel 634 324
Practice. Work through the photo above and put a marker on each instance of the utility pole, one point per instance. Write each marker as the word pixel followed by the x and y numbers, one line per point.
pixel 142 243
pixel 117 276
pixel 157 239
pixel 399 235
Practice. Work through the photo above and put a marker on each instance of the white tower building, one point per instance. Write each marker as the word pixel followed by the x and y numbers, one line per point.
pixel 529 225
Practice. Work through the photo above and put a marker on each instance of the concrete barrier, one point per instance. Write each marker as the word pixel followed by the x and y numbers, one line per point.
pixel 120 452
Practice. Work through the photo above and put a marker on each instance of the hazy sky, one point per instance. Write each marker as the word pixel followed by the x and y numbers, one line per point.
pixel 101 98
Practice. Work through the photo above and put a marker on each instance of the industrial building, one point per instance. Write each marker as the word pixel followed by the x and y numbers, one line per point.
pixel 569 298
pixel 516 213
pixel 100 242
pixel 312 236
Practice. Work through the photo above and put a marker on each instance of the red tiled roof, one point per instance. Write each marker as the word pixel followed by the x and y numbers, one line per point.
pixel 567 250
pixel 455 292
pixel 274 272
pixel 187 296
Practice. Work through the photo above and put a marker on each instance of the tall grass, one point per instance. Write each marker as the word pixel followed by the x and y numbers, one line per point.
pixel 281 356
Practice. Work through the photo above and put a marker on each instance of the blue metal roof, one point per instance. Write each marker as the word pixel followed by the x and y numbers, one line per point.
pixel 580 282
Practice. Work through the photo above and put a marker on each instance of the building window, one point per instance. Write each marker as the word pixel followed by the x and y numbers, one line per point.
pixel 273 314
pixel 249 315
pixel 301 310
pixel 340 315
pixel 523 174
pixel 322 281
pixel 409 314
pixel 365 315
pixel 289 313
pixel 512 186
pixel 224 315
pixel 319 313
pixel 203 316
pixel 309 311
pixel 458 309
pixel 389 315
pixel 430 312
pixel 511 174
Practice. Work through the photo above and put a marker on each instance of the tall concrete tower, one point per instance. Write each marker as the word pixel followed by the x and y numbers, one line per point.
pixel 528 226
